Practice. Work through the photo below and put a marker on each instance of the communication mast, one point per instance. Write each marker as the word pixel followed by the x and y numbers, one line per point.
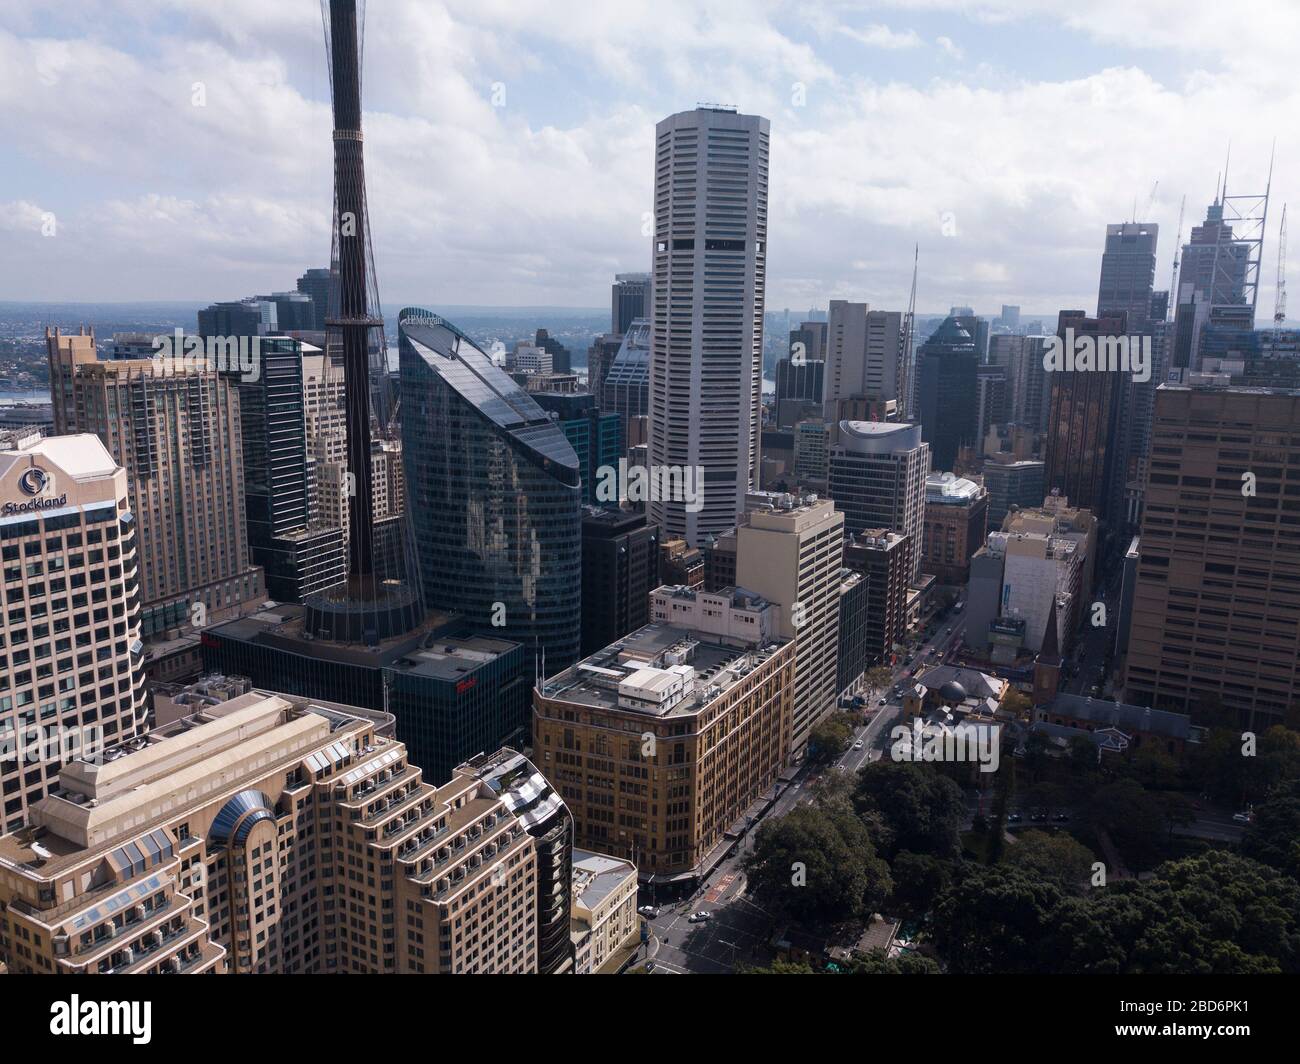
pixel 1279 302
pixel 905 391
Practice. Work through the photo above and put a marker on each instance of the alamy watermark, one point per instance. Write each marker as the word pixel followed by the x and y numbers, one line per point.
pixel 963 742
pixel 1099 354
pixel 656 483
pixel 225 354
pixel 48 744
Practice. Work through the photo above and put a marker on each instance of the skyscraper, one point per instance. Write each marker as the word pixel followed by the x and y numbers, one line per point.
pixel 1216 609
pixel 620 567
pixel 792 557
pixel 174 425
pixel 629 297
pixel 73 679
pixel 1085 459
pixel 946 373
pixel 596 437
pixel 1128 272
pixel 877 479
pixel 864 354
pixel 709 282
pixel 495 492
pixel 316 283
pixel 625 383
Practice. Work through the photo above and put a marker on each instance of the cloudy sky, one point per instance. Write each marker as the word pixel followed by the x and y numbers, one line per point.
pixel 509 142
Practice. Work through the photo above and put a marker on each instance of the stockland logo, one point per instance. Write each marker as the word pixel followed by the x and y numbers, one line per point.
pixel 1099 354
pixel 77 1017
pixel 957 744
pixel 33 481
pixel 225 354
pixel 656 483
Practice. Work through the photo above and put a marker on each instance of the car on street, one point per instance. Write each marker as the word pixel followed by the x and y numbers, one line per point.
pixel 700 917
pixel 649 966
pixel 857 745
pixel 650 912
pixel 1039 815
pixel 1061 818
pixel 1242 818
pixel 1014 818
pixel 882 702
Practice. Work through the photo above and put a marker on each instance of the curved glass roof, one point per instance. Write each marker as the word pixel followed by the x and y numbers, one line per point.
pixel 239 815
pixel 470 372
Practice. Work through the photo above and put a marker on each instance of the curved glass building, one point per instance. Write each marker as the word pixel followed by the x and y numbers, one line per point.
pixel 494 491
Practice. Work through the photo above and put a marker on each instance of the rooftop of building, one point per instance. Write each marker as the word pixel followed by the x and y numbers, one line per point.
pixel 644 661
pixel 101 800
pixel 1123 716
pixel 951 490
pixel 738 597
pixel 81 456
pixel 438 649
pixel 596 876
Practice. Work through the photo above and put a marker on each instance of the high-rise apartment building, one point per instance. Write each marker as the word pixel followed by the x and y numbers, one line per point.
pixel 620 567
pixel 270 834
pixel 877 479
pixel 1128 272
pixel 708 289
pixel 71 662
pixel 1216 609
pixel 793 557
pixel 495 492
pixel 660 742
pixel 174 425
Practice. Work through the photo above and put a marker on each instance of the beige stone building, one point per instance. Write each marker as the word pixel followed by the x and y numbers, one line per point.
pixel 605 920
pixel 792 556
pixel 267 833
pixel 174 425
pixel 71 664
pixel 661 742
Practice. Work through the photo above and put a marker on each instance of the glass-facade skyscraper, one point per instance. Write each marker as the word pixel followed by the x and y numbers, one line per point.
pixel 495 493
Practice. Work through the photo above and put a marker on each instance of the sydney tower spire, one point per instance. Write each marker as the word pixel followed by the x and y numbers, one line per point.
pixel 371 606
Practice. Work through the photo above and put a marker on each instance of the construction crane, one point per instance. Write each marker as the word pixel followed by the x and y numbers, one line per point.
pixel 1146 212
pixel 1279 303
pixel 1178 250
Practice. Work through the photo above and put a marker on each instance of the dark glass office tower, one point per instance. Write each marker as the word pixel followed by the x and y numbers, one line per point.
pixel 316 283
pixel 494 493
pixel 946 372
pixel 1128 272
pixel 596 438
pixel 278 479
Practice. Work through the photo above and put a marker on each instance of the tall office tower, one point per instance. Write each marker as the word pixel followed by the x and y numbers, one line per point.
pixel 812 452
pixel 218 847
pixel 1028 387
pixel 689 726
pixel 534 803
pixel 1012 483
pixel 495 492
pixel 596 437
pixel 1128 272
pixel 620 567
pixel 294 311
pixel 1219 269
pixel 877 479
pixel 624 388
pixel 792 557
pixel 561 359
pixel 1217 601
pixel 629 300
pixel 599 356
pixel 174 426
pixel 991 406
pixel 73 679
pixel 1010 317
pixel 280 480
pixel 946 372
pixel 1085 453
pixel 853 652
pixel 708 288
pixel 316 284
pixel 885 559
pixel 864 354
pixel 810 340
pixel 799 387
pixel 956 521
pixel 255 316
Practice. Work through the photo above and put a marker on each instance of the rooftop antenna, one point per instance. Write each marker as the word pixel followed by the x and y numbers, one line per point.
pixel 1279 303
pixel 905 392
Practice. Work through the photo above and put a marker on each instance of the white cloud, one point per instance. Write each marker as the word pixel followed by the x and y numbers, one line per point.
pixel 878 36
pixel 949 47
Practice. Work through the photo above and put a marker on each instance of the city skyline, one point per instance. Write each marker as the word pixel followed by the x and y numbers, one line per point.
pixel 552 131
